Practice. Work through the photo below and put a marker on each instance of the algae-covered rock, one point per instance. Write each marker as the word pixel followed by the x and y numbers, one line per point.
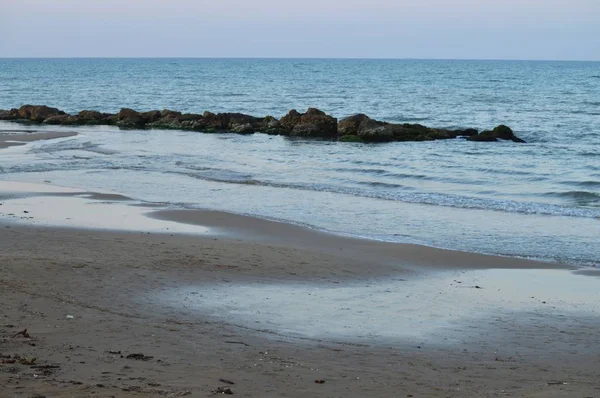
pixel 313 123
pixel 37 113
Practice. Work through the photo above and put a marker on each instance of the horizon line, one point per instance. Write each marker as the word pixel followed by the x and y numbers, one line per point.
pixel 303 58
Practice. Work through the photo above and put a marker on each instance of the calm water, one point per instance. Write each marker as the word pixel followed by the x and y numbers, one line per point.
pixel 537 200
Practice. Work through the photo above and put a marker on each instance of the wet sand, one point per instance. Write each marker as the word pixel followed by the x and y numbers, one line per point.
pixel 274 307
pixel 10 138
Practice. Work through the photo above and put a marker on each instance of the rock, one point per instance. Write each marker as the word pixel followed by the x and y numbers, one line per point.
pixel 177 121
pixel 151 116
pixel 90 115
pixel 352 124
pixel 227 121
pixel 243 129
pixel 467 133
pixel 60 119
pixel 501 132
pixel 94 118
pixel 37 113
pixel 350 138
pixel 369 130
pixel 270 125
pixel 365 128
pixel 313 123
pixel 129 119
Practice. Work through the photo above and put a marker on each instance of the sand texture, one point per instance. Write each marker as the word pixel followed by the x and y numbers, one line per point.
pixel 113 285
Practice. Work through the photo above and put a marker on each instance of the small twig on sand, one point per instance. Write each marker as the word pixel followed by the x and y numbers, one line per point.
pixel 139 357
pixel 23 333
pixel 238 342
pixel 25 361
pixel 222 390
pixel 226 381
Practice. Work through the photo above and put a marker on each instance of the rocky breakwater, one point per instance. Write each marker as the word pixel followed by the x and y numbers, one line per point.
pixel 311 124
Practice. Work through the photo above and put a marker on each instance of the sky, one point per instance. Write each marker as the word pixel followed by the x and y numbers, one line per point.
pixel 438 29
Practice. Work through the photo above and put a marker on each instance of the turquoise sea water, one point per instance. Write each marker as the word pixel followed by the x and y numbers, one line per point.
pixel 541 199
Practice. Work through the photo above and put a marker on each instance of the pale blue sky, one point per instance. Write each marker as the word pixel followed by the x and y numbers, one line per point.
pixel 473 29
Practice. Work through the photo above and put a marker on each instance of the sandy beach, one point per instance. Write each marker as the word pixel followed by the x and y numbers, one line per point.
pixel 268 309
pixel 18 137
pixel 395 199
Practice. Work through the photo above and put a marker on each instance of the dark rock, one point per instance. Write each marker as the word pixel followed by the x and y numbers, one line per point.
pixel 350 138
pixel 351 125
pixel 60 119
pixel 485 136
pixel 5 114
pixel 37 113
pixel 243 129
pixel 90 115
pixel 467 133
pixel 290 120
pixel 227 121
pixel 94 118
pixel 169 113
pixel 130 119
pixel 177 121
pixel 369 130
pixel 151 116
pixel 313 123
pixel 501 132
pixel 365 128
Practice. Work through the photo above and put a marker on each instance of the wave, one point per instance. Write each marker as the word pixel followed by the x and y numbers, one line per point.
pixel 383 172
pixel 579 196
pixel 73 145
pixel 589 184
pixel 436 199
pixel 583 184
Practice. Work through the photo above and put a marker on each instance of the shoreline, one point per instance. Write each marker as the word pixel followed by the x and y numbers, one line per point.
pixel 274 307
pixel 71 209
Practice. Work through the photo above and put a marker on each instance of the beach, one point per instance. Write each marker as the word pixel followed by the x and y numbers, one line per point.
pixel 196 306
pixel 308 250
pixel 20 136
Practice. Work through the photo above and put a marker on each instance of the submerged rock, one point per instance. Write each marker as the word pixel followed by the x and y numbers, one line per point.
pixel 501 132
pixel 370 130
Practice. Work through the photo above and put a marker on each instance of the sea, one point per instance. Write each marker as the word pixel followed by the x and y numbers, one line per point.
pixel 537 200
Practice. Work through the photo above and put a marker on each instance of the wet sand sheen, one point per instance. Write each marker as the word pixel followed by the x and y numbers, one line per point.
pixel 396 254
pixel 10 138
pixel 275 306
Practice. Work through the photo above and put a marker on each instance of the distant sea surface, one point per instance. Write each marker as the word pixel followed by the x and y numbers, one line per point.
pixel 535 200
